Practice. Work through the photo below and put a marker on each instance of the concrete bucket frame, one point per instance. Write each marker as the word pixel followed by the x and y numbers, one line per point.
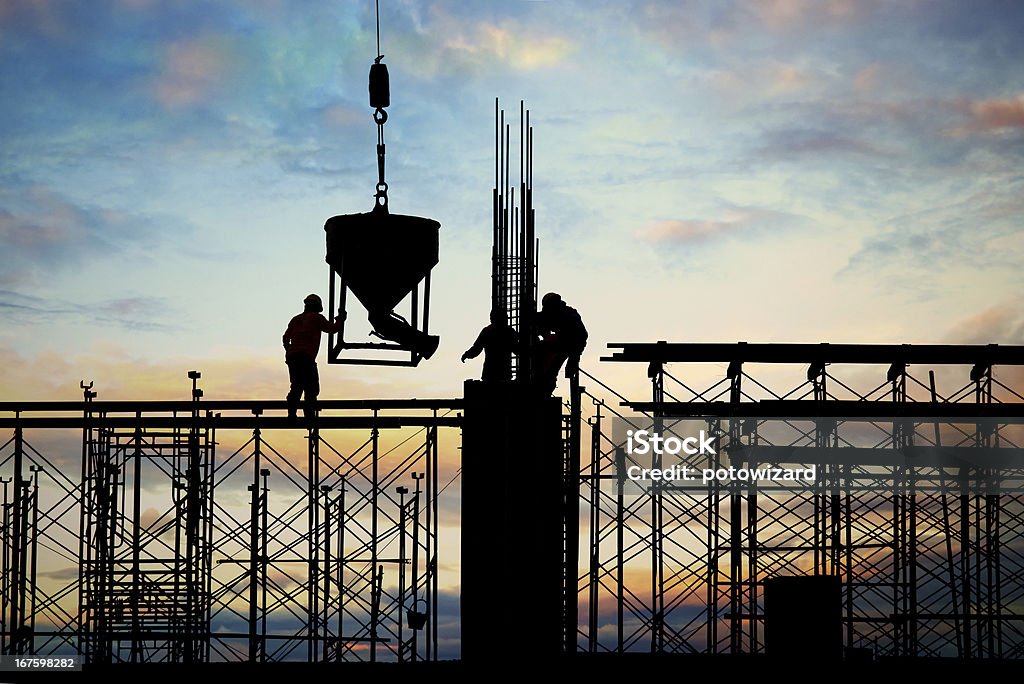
pixel 383 259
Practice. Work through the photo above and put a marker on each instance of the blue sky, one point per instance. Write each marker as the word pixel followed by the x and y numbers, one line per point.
pixel 786 170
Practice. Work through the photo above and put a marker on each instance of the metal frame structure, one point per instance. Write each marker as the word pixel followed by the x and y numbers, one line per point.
pixel 164 550
pixel 929 546
pixel 419 320
pixel 156 553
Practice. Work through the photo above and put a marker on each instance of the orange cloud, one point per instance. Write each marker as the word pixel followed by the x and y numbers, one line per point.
pixel 190 72
pixel 685 230
pixel 783 14
pixel 789 78
pixel 994 115
pixel 508 45
pixel 343 116
pixel 997 114
pixel 867 78
pixel 696 230
pixel 1002 323
pixel 768 79
pixel 452 43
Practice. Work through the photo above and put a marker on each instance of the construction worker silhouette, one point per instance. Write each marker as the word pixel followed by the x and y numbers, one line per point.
pixel 301 345
pixel 562 340
pixel 497 341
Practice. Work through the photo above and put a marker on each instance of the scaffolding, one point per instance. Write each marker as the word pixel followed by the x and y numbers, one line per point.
pixel 167 550
pixel 131 534
pixel 918 506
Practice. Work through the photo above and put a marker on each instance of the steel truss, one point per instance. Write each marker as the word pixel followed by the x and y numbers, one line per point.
pixel 164 550
pixel 929 548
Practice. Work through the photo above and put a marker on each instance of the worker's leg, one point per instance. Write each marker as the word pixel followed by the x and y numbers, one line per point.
pixel 572 365
pixel 295 377
pixel 312 389
pixel 549 360
pixel 558 358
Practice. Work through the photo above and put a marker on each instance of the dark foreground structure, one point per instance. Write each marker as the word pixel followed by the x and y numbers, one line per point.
pixel 129 536
pixel 505 527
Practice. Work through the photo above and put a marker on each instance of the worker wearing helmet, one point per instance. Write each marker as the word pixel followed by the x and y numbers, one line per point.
pixel 562 340
pixel 498 341
pixel 301 345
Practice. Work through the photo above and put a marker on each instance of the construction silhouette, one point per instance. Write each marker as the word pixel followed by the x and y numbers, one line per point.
pixel 301 345
pixel 907 545
pixel 563 337
pixel 329 541
pixel 498 341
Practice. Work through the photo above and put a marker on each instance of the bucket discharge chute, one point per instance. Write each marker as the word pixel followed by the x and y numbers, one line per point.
pixel 382 258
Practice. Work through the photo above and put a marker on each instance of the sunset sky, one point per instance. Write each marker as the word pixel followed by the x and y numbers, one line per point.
pixel 785 170
pixel 714 171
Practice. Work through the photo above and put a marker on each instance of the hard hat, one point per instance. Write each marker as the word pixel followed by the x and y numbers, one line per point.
pixel 551 299
pixel 314 301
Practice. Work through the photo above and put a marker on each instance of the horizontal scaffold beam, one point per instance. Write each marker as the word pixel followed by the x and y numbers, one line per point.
pixel 808 409
pixel 249 422
pixel 247 405
pixel 940 354
pixel 242 414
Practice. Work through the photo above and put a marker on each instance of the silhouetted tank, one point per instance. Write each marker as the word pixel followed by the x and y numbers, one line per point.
pixel 382 258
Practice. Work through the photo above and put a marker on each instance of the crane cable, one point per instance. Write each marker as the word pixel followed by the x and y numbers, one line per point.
pixel 380 97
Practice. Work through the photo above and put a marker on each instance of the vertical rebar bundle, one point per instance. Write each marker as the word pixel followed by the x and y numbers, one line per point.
pixel 514 242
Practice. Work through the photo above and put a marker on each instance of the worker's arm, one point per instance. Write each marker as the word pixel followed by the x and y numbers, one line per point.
pixel 286 338
pixel 332 326
pixel 477 347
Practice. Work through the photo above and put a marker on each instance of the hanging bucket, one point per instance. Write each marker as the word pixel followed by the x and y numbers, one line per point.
pixel 382 256
pixel 416 619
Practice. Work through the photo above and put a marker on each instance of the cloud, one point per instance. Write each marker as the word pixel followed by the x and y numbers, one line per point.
pixel 867 79
pixel 766 80
pixel 787 14
pixel 452 40
pixel 508 44
pixel 684 26
pixel 190 72
pixel 688 230
pixel 693 231
pixel 44 232
pixel 998 324
pixel 994 115
pixel 975 226
pixel 65 574
pixel 40 16
pixel 131 313
pixel 1001 323
pixel 796 143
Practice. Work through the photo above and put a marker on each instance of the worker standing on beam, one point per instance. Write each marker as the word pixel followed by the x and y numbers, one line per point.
pixel 301 346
